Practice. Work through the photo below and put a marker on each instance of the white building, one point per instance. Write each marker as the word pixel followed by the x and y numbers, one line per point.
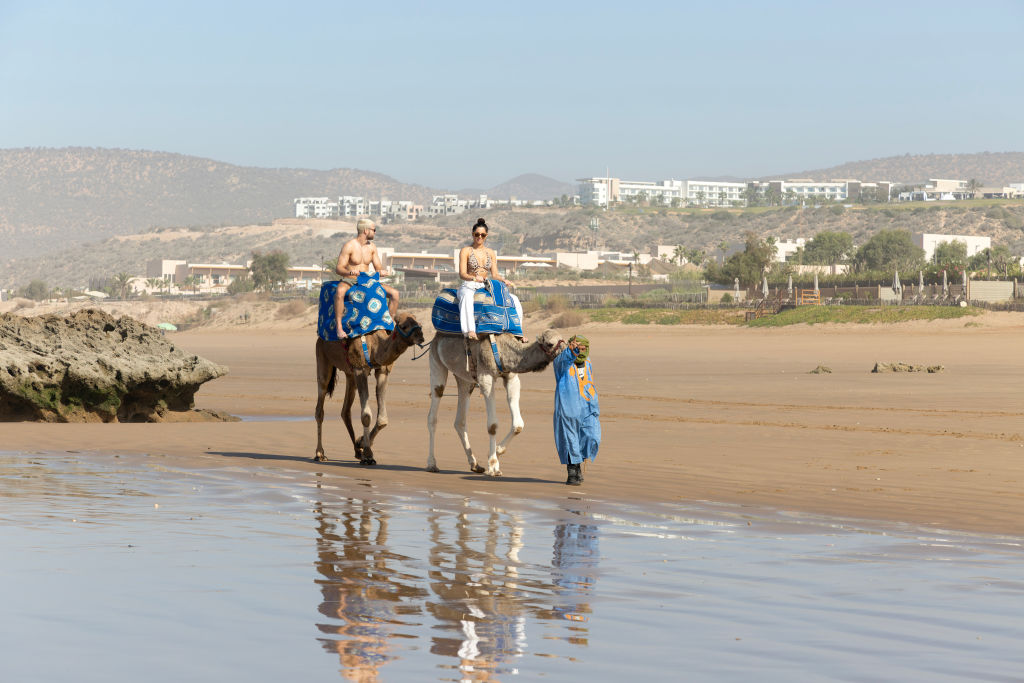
pixel 656 193
pixel 786 248
pixel 447 205
pixel 315 207
pixel 714 193
pixel 598 191
pixel 928 242
pixel 351 206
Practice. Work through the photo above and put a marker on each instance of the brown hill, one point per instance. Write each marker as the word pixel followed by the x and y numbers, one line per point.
pixel 988 168
pixel 64 196
pixel 518 231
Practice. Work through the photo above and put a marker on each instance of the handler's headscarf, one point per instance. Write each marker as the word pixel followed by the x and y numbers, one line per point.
pixel 584 350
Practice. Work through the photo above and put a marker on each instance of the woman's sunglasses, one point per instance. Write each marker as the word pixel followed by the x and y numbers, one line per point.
pixel 479 234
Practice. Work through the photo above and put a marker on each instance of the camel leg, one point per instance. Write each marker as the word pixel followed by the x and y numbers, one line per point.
pixel 512 389
pixel 438 380
pixel 363 387
pixel 346 413
pixel 381 376
pixel 324 370
pixel 486 383
pixel 461 410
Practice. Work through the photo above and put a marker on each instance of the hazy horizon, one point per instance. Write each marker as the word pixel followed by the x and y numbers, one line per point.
pixel 472 96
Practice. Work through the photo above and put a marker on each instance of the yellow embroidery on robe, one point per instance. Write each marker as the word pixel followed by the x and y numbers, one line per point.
pixel 585 381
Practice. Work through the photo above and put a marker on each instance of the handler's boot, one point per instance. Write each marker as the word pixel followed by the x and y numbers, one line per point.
pixel 575 477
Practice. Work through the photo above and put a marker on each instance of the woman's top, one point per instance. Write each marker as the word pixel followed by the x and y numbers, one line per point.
pixel 472 264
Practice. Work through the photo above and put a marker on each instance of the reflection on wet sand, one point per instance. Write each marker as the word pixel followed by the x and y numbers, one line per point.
pixel 477 595
pixel 574 563
pixel 360 586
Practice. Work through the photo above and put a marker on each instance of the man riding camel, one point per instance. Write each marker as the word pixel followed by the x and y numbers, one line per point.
pixel 359 255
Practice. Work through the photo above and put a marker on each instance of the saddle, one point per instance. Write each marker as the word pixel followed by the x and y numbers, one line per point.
pixel 366 309
pixel 492 308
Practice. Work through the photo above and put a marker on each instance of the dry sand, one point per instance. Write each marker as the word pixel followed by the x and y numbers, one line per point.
pixel 689 413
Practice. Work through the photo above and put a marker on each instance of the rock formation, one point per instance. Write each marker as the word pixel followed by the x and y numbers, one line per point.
pixel 906 367
pixel 91 367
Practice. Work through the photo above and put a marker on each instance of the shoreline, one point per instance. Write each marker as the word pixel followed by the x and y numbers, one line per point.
pixel 689 414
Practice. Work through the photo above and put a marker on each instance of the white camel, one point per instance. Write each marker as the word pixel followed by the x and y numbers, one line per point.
pixel 451 353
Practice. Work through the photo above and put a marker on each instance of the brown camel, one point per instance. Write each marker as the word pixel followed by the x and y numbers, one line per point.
pixel 448 354
pixel 383 348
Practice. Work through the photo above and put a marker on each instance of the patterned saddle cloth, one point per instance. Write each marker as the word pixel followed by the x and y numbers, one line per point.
pixel 492 306
pixel 366 309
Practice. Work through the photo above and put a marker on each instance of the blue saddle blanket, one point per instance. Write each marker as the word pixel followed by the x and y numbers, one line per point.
pixel 492 306
pixel 366 309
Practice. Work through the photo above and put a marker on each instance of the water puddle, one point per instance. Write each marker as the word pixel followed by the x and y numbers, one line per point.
pixel 130 568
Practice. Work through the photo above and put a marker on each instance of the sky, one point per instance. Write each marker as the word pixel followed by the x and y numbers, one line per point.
pixel 469 94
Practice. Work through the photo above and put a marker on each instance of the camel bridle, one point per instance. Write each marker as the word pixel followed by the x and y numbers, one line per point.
pixel 555 349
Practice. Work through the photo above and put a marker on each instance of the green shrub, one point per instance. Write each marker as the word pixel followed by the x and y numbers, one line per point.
pixel 727 298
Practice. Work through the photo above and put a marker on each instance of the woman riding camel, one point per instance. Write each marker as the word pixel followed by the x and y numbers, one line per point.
pixel 477 263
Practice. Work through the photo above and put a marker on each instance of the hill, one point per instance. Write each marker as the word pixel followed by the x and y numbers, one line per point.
pixel 517 231
pixel 531 186
pixel 56 197
pixel 988 168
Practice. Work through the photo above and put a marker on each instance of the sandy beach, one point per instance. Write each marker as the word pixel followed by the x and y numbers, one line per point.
pixel 689 414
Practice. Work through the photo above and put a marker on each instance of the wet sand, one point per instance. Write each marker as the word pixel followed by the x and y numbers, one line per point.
pixel 688 413
pixel 132 567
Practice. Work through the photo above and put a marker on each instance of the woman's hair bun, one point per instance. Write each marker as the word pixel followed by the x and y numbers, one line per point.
pixel 480 222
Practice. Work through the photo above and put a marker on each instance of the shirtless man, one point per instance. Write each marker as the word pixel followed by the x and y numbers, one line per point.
pixel 359 255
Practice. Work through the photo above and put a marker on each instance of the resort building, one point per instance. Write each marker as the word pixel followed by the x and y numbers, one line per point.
pixel 928 242
pixel 714 193
pixel 598 191
pixel 316 207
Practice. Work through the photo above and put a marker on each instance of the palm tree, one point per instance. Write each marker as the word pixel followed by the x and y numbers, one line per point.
pixel 121 283
pixel 701 196
pixel 972 187
pixel 679 253
pixel 723 197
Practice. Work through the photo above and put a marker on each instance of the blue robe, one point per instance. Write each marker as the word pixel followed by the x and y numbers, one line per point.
pixel 577 413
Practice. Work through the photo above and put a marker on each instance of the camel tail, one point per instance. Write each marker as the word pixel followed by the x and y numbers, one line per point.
pixel 330 380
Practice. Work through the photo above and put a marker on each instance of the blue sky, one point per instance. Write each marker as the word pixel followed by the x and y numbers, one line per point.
pixel 454 95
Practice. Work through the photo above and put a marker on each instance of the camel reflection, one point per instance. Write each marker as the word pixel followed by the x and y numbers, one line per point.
pixel 474 598
pixel 361 587
pixel 478 594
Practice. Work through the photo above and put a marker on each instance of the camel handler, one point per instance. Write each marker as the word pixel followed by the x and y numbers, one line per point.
pixel 577 413
pixel 359 255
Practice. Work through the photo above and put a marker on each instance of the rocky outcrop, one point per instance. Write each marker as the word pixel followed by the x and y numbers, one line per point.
pixel 906 367
pixel 91 367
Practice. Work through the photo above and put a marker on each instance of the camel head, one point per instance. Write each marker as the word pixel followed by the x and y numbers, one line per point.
pixel 551 343
pixel 407 328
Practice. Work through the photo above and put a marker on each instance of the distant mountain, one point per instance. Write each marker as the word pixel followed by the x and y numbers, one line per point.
pixel 531 186
pixel 988 168
pixel 56 197
pixel 53 198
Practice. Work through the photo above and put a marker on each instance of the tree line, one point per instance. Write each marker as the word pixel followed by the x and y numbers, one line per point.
pixel 885 252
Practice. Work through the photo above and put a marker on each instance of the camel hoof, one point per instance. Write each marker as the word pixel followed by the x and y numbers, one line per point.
pixel 319 457
pixel 500 450
pixel 367 462
pixel 477 469
pixel 495 473
pixel 433 468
